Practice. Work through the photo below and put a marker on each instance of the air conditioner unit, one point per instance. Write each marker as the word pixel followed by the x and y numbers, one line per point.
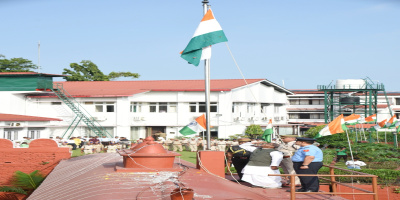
pixel 276 118
pixel 282 118
pixel 264 118
pixel 250 119
pixel 236 119
pixel 136 118
pixel 16 124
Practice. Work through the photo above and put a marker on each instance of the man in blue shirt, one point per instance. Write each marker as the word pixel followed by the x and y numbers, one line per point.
pixel 307 160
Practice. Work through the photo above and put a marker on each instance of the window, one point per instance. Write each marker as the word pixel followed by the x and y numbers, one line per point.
pixel 33 134
pixel 250 107
pixel 153 107
pixel 293 116
pixel 11 135
pixel 236 107
pixel 163 107
pixel 304 116
pixel 264 107
pixel 136 107
pixel 294 102
pixel 193 107
pixel 104 106
pixel 202 107
pixel 397 101
pixel 55 103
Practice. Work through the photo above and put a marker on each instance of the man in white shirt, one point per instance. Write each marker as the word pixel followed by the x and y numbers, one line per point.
pixel 263 161
pixel 356 164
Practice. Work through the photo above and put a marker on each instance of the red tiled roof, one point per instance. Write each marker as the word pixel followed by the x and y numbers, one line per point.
pixel 128 88
pixel 29 73
pixel 12 117
pixel 306 91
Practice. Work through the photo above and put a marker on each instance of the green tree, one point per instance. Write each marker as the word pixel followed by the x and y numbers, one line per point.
pixel 16 65
pixel 253 131
pixel 88 71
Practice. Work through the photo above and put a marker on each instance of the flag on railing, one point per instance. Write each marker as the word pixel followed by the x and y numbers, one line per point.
pixel 371 119
pixel 392 122
pixel 379 125
pixel 209 32
pixel 352 119
pixel 268 132
pixel 336 126
pixel 195 126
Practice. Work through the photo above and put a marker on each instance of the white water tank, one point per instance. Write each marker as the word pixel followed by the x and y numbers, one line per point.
pixel 350 84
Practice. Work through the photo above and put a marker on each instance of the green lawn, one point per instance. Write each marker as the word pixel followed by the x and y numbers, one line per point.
pixel 188 156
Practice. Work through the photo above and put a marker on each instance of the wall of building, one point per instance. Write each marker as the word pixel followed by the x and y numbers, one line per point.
pixel 42 155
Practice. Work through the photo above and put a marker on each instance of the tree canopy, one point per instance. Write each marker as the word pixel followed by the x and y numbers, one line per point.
pixel 253 131
pixel 88 71
pixel 16 65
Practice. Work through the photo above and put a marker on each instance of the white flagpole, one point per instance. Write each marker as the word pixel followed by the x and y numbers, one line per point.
pixel 351 152
pixel 207 87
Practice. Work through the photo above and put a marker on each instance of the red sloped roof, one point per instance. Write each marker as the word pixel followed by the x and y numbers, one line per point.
pixel 128 88
pixel 12 117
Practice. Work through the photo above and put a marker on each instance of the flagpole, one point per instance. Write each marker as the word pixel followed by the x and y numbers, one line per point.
pixel 351 152
pixel 207 86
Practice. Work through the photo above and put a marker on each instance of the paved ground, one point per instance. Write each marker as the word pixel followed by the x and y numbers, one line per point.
pixel 94 177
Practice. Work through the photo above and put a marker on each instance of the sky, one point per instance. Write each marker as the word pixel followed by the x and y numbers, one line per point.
pixel 298 43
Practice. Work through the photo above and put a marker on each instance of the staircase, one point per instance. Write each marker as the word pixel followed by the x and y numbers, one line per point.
pixel 80 112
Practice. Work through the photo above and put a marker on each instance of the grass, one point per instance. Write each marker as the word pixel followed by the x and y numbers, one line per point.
pixel 188 156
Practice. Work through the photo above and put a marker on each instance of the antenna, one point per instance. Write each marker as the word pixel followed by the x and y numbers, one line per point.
pixel 283 83
pixel 38 68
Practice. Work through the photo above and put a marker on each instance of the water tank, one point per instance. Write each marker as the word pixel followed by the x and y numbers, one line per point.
pixel 350 100
pixel 350 84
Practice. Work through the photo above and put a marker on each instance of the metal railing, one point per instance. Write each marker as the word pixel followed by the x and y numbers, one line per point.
pixel 333 183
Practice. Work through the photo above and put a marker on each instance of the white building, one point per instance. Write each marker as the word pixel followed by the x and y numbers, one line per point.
pixel 136 109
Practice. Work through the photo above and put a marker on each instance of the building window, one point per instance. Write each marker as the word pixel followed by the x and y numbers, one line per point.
pixel 193 107
pixel 293 116
pixel 264 108
pixel 202 107
pixel 104 106
pixel 55 103
pixel 163 107
pixel 294 102
pixel 304 116
pixel 250 107
pixel 397 101
pixel 11 135
pixel 33 134
pixel 153 107
pixel 136 107
pixel 235 107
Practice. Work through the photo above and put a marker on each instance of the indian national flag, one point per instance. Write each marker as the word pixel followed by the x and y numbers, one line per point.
pixel 336 126
pixel 380 125
pixel 392 122
pixel 195 126
pixel 371 119
pixel 352 119
pixel 268 132
pixel 209 32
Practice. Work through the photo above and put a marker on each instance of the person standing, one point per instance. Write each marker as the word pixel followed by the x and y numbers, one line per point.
pixel 177 145
pixel 341 153
pixel 193 145
pixel 288 147
pixel 307 160
pixel 221 145
pixel 264 161
pixel 239 155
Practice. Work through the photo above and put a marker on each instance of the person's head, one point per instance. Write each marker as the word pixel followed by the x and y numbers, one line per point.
pixel 244 140
pixel 288 138
pixel 116 137
pixel 51 137
pixel 192 138
pixel 304 141
pixel 234 140
pixel 24 143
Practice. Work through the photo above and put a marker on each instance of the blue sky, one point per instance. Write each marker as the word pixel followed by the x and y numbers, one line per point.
pixel 303 42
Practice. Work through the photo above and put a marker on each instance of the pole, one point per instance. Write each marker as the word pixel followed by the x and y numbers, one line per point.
pixel 38 57
pixel 395 139
pixel 207 86
pixel 351 152
pixel 370 136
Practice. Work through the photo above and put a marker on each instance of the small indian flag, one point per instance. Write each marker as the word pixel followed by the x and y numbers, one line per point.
pixel 336 126
pixel 371 119
pixel 268 132
pixel 195 126
pixel 352 119
pixel 209 32
pixel 380 125
pixel 392 121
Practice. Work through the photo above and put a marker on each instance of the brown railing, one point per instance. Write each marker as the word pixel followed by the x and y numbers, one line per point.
pixel 334 183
